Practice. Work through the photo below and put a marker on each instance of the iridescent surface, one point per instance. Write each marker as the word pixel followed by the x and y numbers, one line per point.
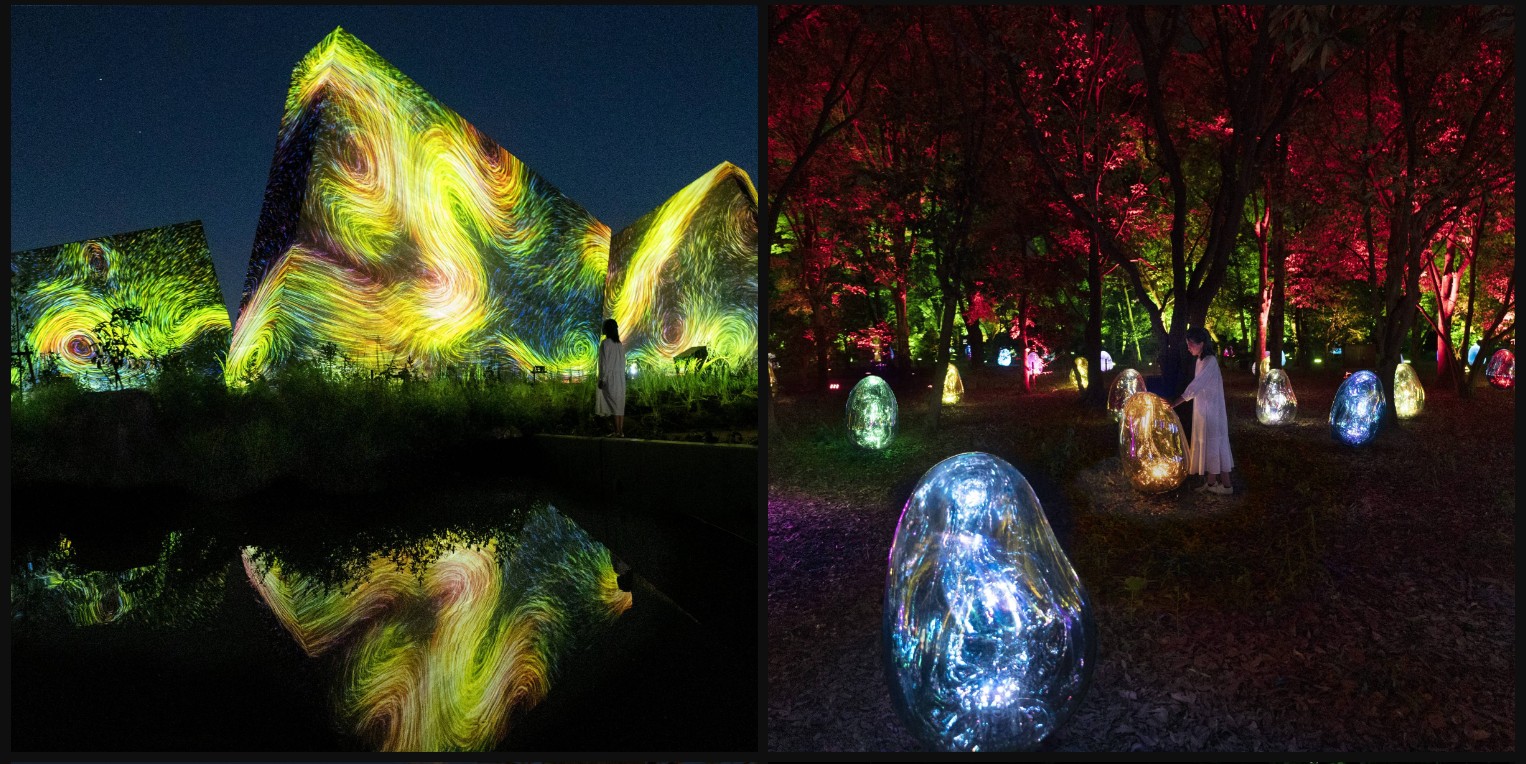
pixel 1358 408
pixel 1500 370
pixel 686 274
pixel 953 386
pixel 1004 357
pixel 440 659
pixel 1151 446
pixel 872 413
pixel 989 633
pixel 59 295
pixel 1275 402
pixel 1127 383
pixel 1409 396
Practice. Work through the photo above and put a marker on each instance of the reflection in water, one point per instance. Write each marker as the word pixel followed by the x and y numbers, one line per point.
pixel 51 588
pixel 440 659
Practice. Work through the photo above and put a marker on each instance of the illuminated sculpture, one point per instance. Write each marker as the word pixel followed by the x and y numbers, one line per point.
pixel 1275 402
pixel 872 413
pixel 1151 448
pixel 438 660
pixel 1080 372
pixel 953 386
pixel 989 636
pixel 1004 357
pixel 1127 383
pixel 1500 369
pixel 686 274
pixel 1105 363
pixel 1358 408
pixel 1409 396
pixel 61 294
pixel 393 232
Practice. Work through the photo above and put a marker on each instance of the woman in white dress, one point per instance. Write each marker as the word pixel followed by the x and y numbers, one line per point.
pixel 610 400
pixel 1208 453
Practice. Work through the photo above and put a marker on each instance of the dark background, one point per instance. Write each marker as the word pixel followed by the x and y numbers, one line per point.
pixel 125 118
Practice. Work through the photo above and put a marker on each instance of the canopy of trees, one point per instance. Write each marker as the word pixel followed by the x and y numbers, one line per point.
pixel 1088 178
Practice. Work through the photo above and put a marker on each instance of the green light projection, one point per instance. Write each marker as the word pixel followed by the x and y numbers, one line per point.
pixel 62 295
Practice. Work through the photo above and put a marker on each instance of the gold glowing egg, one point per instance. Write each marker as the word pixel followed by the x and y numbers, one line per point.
pixel 953 386
pixel 1409 395
pixel 1151 447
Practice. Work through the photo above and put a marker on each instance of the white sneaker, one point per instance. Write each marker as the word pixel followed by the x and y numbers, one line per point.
pixel 1222 490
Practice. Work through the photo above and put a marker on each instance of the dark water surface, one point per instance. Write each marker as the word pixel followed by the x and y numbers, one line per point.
pixel 500 626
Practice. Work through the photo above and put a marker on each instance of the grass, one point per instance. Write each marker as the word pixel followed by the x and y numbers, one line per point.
pixel 1335 589
pixel 187 431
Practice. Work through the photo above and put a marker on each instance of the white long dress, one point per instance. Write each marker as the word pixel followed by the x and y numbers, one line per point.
pixel 610 400
pixel 1209 452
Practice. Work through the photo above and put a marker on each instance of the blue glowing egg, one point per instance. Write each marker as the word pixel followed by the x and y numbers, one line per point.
pixel 988 632
pixel 872 413
pixel 1358 409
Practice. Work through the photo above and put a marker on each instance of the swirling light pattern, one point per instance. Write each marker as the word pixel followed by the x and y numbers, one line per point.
pixel 872 413
pixel 990 641
pixel 686 274
pixel 1128 382
pixel 1150 444
pixel 1275 402
pixel 1358 409
pixel 441 660
pixel 395 231
pixel 54 588
pixel 60 294
pixel 1409 395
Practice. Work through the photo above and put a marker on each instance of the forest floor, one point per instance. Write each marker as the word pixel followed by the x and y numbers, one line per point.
pixel 1343 599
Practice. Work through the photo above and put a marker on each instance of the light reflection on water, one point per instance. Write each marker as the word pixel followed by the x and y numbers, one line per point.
pixel 440 643
pixel 440 659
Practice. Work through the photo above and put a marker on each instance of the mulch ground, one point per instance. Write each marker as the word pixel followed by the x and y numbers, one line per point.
pixel 1344 599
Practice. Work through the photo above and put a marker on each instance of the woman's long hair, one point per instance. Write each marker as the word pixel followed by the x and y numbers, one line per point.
pixel 1200 335
pixel 611 330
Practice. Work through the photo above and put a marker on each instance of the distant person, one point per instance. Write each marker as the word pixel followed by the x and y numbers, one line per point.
pixel 1208 453
pixel 611 398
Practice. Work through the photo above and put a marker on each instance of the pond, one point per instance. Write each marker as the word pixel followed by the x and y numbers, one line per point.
pixel 516 634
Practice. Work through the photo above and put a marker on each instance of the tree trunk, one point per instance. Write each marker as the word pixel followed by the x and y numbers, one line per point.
pixel 1022 340
pixel 1093 394
pixel 945 339
pixel 1276 324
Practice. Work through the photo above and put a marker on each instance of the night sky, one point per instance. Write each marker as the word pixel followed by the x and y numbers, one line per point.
pixel 125 118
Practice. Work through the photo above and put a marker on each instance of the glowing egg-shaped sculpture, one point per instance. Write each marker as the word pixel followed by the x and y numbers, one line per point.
pixel 1473 354
pixel 1358 409
pixel 1150 444
pixel 1106 361
pixel 988 632
pixel 1500 370
pixel 872 413
pixel 1275 402
pixel 1127 383
pixel 1409 396
pixel 953 386
pixel 1080 373
pixel 1004 358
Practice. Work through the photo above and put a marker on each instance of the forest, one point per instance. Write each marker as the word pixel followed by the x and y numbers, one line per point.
pixel 1302 181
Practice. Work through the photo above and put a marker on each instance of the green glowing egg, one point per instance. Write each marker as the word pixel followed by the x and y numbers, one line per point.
pixel 872 413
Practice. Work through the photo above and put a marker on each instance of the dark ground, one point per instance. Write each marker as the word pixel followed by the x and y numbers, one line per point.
pixel 1342 600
